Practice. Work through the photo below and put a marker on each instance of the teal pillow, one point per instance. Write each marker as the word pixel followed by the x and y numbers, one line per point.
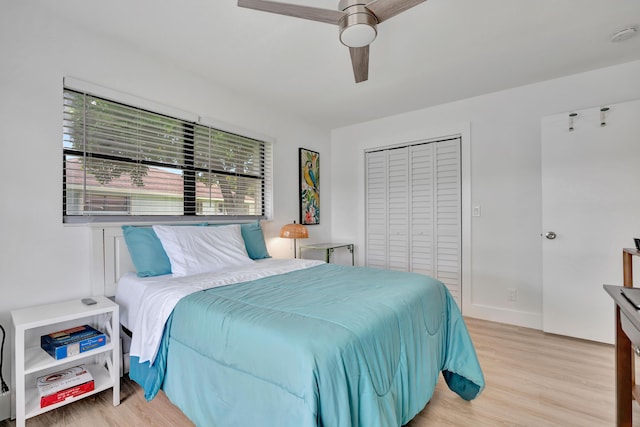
pixel 146 251
pixel 254 240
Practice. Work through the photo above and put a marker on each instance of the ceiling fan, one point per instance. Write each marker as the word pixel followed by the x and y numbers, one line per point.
pixel 356 19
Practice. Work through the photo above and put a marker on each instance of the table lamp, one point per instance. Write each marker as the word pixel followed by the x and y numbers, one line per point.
pixel 294 231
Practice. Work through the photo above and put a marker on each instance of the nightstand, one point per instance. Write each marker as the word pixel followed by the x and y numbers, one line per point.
pixel 30 361
pixel 328 249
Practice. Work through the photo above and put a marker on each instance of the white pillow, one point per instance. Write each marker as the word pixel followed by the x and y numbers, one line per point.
pixel 193 250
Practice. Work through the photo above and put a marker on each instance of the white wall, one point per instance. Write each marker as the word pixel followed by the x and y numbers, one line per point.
pixel 41 260
pixel 505 140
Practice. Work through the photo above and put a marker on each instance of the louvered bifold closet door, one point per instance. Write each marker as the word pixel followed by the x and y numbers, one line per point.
pixel 376 205
pixel 422 209
pixel 413 205
pixel 398 202
pixel 447 217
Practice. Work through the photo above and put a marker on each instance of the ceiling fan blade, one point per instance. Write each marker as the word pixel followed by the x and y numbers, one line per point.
pixel 360 62
pixel 385 9
pixel 298 11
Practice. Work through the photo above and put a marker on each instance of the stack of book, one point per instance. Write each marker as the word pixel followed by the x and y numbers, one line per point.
pixel 59 386
pixel 72 341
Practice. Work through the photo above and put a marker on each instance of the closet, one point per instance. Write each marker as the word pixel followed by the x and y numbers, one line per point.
pixel 413 203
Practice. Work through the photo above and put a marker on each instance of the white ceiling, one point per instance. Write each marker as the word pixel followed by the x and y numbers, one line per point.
pixel 436 52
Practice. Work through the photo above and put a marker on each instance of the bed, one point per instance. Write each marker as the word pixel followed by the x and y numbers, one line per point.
pixel 299 343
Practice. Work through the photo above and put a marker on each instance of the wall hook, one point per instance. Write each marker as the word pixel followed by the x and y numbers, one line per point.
pixel 572 117
pixel 603 116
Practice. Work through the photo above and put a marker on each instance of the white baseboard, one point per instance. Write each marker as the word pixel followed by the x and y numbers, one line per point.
pixel 503 315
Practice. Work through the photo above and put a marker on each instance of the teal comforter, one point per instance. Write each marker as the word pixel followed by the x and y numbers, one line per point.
pixel 325 346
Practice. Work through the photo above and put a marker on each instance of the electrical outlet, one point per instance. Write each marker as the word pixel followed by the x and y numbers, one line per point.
pixel 512 294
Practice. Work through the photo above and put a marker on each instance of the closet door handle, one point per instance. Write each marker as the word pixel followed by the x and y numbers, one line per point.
pixel 550 235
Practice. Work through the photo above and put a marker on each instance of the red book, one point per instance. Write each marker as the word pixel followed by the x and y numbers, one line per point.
pixel 62 380
pixel 62 395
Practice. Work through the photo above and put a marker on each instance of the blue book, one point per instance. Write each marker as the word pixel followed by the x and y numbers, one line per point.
pixel 70 342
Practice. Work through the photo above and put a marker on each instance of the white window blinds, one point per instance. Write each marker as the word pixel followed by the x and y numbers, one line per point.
pixel 127 163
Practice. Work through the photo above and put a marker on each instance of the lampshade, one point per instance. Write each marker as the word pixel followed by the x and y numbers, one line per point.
pixel 294 231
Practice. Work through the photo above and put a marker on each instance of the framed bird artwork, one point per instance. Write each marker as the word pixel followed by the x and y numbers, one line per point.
pixel 309 187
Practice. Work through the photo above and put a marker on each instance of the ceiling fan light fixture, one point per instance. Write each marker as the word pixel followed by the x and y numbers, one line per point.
pixel 358 35
pixel 358 28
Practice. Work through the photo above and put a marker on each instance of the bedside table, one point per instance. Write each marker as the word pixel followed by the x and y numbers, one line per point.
pixel 328 249
pixel 30 361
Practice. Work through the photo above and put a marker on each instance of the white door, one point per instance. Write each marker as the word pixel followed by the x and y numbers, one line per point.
pixel 398 209
pixel 448 217
pixel 376 209
pixel 387 214
pixel 435 214
pixel 591 202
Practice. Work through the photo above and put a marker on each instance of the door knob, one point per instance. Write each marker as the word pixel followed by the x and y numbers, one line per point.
pixel 550 235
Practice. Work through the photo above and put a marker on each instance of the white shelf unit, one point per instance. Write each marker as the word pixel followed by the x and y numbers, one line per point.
pixel 30 361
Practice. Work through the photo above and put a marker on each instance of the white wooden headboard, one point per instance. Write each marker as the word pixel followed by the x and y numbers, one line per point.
pixel 110 260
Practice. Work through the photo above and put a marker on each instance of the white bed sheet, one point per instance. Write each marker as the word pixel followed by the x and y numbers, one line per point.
pixel 147 302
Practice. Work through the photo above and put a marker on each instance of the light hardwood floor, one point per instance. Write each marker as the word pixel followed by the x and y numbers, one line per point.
pixel 533 379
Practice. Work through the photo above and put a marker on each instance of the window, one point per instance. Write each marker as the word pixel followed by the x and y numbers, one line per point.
pixel 124 163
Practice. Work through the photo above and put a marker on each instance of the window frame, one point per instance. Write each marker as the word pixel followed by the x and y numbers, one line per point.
pixel 189 170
